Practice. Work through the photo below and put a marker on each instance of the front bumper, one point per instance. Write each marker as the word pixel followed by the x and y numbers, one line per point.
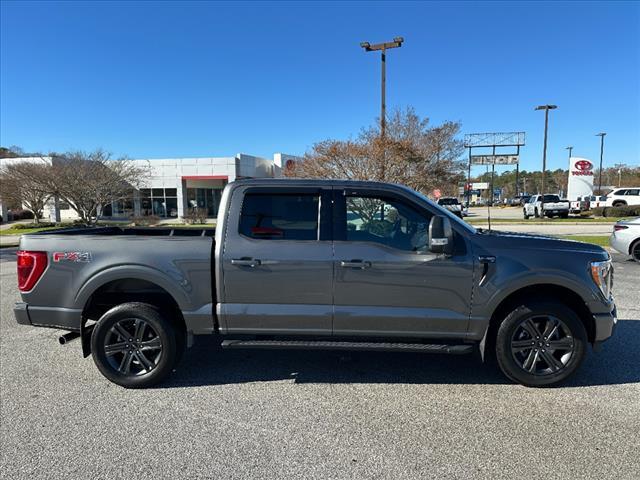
pixel 605 325
pixel 52 317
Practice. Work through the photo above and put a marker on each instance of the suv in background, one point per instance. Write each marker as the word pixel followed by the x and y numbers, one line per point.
pixel 452 204
pixel 623 196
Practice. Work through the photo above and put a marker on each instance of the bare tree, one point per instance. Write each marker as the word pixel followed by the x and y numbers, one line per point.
pixel 412 153
pixel 26 183
pixel 88 181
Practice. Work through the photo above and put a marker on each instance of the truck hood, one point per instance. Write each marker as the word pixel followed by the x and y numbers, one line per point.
pixel 497 240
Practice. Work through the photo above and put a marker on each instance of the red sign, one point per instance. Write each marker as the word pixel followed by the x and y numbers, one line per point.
pixel 582 167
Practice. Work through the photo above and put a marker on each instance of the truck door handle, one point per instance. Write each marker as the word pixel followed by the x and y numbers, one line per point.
pixel 361 264
pixel 246 262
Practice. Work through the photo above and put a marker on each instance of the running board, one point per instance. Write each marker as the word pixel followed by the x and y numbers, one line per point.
pixel 349 346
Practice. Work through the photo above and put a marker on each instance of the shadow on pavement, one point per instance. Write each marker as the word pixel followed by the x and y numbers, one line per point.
pixel 207 364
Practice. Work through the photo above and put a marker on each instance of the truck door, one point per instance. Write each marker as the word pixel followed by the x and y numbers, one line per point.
pixel 278 262
pixel 387 283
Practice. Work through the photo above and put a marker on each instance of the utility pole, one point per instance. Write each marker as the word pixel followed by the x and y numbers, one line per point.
pixel 397 42
pixel 601 135
pixel 619 166
pixel 546 109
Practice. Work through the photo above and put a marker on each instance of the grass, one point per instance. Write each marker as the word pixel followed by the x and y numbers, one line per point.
pixel 601 240
pixel 22 231
pixel 537 221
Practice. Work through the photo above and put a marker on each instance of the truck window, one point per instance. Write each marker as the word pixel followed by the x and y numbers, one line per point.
pixel 386 221
pixel 280 216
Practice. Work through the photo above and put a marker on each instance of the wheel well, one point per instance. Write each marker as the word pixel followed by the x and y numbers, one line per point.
pixel 632 245
pixel 548 292
pixel 618 203
pixel 126 290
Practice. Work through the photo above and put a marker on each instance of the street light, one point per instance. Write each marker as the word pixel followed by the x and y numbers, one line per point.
pixel 397 42
pixel 570 150
pixel 546 109
pixel 601 135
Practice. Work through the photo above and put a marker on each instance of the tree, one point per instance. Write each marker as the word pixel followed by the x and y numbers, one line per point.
pixel 89 181
pixel 26 183
pixel 411 153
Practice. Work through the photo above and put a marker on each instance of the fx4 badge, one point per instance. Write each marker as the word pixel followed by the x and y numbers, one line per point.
pixel 82 257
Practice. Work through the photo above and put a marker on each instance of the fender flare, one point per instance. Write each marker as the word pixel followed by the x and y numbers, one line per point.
pixel 138 272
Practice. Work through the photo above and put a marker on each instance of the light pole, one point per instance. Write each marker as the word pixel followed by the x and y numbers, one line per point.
pixel 570 150
pixel 546 109
pixel 397 42
pixel 601 135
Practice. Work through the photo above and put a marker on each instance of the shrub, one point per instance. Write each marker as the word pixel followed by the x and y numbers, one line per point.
pixel 20 214
pixel 196 216
pixel 26 226
pixel 145 220
pixel 623 211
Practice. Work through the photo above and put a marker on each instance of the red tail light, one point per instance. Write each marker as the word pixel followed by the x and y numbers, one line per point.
pixel 617 228
pixel 31 265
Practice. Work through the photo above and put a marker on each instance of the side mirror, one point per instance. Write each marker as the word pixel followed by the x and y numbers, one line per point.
pixel 440 235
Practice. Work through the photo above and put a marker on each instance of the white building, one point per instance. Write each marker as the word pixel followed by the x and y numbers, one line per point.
pixel 177 185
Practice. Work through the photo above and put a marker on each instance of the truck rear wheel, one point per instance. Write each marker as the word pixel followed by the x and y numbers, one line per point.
pixel 134 345
pixel 540 344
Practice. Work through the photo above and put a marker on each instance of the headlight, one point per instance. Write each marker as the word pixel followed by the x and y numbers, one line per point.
pixel 602 274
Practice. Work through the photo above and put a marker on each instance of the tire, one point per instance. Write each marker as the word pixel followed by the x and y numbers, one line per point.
pixel 524 213
pixel 536 214
pixel 635 251
pixel 564 215
pixel 619 203
pixel 144 359
pixel 528 360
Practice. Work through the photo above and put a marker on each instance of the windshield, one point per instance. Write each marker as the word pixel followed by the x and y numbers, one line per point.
pixel 448 201
pixel 551 198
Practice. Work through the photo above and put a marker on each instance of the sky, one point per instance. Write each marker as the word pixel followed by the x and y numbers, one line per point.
pixel 163 79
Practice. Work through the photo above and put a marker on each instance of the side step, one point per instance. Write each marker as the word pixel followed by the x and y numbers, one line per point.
pixel 368 346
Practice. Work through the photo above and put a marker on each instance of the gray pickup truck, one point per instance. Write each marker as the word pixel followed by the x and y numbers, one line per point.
pixel 315 264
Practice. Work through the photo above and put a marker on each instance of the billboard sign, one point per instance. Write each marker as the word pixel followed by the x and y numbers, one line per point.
pixel 494 159
pixel 480 185
pixel 580 178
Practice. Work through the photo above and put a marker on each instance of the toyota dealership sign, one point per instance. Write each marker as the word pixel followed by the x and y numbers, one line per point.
pixel 580 178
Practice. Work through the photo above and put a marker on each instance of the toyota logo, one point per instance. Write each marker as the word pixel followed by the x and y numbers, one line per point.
pixel 583 165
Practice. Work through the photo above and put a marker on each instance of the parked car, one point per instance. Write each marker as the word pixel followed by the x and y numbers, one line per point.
pixel 580 204
pixel 623 196
pixel 553 207
pixel 625 238
pixel 314 264
pixel 524 199
pixel 452 204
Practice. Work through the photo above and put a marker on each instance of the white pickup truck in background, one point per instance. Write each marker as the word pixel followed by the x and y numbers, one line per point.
pixel 553 207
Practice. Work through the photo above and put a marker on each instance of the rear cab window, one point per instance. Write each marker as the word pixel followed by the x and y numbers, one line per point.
pixel 280 216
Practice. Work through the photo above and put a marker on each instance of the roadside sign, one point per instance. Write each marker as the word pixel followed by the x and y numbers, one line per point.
pixel 494 159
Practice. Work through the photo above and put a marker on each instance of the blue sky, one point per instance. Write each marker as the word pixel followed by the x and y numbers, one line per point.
pixel 163 79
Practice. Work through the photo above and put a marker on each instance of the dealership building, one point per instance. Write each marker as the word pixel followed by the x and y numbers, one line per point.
pixel 175 186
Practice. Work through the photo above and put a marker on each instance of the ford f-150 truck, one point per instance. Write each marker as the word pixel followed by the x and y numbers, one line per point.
pixel 313 264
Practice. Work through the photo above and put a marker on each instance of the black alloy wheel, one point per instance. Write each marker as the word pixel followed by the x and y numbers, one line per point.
pixel 542 345
pixel 134 345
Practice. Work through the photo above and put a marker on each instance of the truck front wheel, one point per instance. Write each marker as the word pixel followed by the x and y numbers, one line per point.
pixel 540 344
pixel 134 345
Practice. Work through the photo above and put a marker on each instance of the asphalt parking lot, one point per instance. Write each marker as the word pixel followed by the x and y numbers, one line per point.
pixel 291 414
